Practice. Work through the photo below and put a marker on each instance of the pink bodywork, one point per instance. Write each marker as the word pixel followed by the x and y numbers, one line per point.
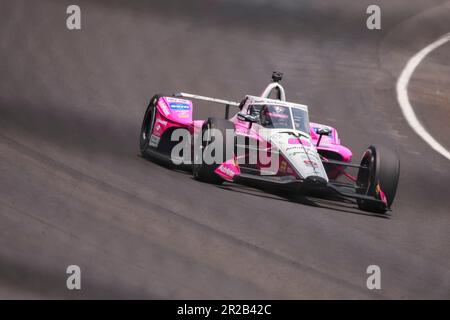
pixel 228 170
pixel 330 143
pixel 330 148
pixel 175 113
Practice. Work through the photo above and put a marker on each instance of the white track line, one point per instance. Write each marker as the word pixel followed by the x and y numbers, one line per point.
pixel 403 99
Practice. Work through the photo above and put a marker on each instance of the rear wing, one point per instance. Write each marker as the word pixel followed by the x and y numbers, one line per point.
pixel 220 101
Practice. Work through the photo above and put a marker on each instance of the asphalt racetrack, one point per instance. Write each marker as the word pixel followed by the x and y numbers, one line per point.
pixel 73 189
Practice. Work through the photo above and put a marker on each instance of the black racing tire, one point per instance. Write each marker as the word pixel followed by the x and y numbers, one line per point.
pixel 383 170
pixel 205 172
pixel 147 126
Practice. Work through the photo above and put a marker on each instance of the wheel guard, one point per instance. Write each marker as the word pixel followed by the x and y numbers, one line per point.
pixel 228 170
pixel 380 194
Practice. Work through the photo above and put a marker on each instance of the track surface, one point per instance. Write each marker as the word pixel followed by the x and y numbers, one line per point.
pixel 73 189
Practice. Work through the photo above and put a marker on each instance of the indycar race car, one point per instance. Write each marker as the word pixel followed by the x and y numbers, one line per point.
pixel 269 141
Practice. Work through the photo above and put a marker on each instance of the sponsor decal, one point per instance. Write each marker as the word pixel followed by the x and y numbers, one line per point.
pixel 228 169
pixel 299 141
pixel 306 143
pixel 160 125
pixel 380 194
pixel 294 141
pixel 293 151
pixel 162 122
pixel 294 148
pixel 164 107
pixel 179 106
pixel 183 115
pixel 177 100
pixel 310 163
pixel 154 140
pixel 283 166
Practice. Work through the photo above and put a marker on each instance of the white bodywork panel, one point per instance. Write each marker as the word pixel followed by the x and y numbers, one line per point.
pixel 303 158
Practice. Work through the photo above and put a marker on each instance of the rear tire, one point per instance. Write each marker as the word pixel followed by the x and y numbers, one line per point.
pixel 384 171
pixel 204 171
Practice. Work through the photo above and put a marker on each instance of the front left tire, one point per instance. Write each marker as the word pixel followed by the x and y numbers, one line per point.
pixel 201 170
pixel 148 123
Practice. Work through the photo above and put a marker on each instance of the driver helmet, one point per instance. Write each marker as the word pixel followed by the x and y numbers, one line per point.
pixel 275 116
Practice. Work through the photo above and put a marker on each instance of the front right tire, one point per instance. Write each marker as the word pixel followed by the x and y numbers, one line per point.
pixel 382 171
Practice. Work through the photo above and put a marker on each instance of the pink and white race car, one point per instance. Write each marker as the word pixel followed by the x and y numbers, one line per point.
pixel 269 142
